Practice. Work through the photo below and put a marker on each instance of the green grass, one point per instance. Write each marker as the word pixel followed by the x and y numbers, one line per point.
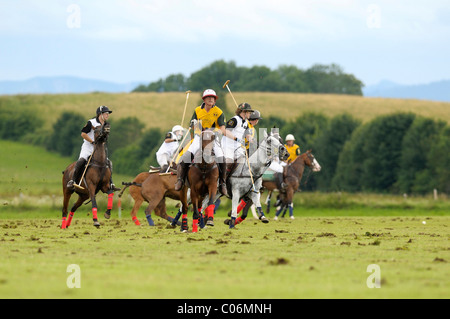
pixel 323 253
pixel 32 171
pixel 309 257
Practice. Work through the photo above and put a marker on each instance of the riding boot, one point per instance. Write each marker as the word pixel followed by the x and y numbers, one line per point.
pixel 281 182
pixel 223 177
pixel 182 169
pixel 113 187
pixel 79 165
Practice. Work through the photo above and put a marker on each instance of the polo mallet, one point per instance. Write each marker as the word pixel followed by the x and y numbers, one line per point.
pixel 182 120
pixel 245 151
pixel 79 187
pixel 226 86
pixel 185 105
pixel 178 149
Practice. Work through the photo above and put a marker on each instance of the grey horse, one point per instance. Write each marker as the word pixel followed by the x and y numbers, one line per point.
pixel 241 184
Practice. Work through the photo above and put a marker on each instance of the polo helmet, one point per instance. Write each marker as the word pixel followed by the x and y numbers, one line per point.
pixel 209 92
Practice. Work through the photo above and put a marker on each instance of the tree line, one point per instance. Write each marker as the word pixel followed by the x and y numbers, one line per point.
pixel 286 78
pixel 397 153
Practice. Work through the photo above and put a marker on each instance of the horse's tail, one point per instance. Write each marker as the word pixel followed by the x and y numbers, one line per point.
pixel 128 184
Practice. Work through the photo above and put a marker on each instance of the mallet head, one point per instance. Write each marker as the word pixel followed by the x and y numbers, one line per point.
pixel 226 84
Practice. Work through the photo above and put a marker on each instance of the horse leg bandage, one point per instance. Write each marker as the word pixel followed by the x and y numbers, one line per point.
pixel 94 213
pixel 201 221
pixel 136 221
pixel 184 222
pixel 209 211
pixel 239 220
pixel 69 219
pixel 232 222
pixel 177 217
pixel 241 206
pixel 63 224
pixel 110 201
pixel 195 225
pixel 150 220
pixel 260 211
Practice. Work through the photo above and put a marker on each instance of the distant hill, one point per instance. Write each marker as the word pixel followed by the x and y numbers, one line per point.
pixel 63 84
pixel 435 91
pixel 164 110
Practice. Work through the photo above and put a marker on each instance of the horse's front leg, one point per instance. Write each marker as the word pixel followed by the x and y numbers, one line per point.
pixel 184 207
pixel 78 203
pixel 110 204
pixel 256 199
pixel 94 205
pixel 209 211
pixel 234 206
pixel 269 197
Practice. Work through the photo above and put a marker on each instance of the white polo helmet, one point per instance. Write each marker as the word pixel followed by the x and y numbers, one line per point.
pixel 290 137
pixel 209 92
pixel 177 128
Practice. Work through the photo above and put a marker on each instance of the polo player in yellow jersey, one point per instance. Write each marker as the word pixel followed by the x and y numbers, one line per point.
pixel 293 149
pixel 209 115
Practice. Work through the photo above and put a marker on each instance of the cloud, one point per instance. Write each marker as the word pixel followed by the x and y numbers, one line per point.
pixel 200 21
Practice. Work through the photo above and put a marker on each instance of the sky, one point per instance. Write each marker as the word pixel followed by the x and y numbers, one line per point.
pixel 407 42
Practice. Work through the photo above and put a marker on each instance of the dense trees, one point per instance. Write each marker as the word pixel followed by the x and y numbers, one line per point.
pixel 399 153
pixel 66 136
pixel 286 78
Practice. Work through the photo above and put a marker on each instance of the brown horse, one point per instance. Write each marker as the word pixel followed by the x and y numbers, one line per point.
pixel 152 188
pixel 96 178
pixel 294 174
pixel 202 178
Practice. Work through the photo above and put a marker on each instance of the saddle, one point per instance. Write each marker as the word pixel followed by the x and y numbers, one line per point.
pixel 271 176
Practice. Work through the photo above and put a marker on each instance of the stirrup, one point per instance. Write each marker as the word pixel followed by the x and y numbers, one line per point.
pixel 70 184
pixel 114 188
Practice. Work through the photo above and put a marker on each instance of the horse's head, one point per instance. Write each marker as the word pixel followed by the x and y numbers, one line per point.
pixel 275 146
pixel 101 133
pixel 311 161
pixel 207 137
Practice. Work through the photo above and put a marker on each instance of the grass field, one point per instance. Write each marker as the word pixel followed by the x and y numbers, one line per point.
pixel 163 110
pixel 324 253
pixel 309 257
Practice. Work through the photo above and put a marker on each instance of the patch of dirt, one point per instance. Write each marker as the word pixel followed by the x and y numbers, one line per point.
pixel 279 261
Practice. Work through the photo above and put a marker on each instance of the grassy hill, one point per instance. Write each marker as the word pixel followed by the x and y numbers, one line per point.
pixel 163 110
pixel 31 170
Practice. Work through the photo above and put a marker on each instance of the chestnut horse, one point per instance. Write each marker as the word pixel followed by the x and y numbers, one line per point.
pixel 96 178
pixel 202 178
pixel 294 174
pixel 152 188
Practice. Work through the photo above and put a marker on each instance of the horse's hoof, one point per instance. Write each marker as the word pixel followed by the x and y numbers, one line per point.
pixel 229 213
pixel 226 222
pixel 107 215
pixel 97 224
pixel 210 222
pixel 264 220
